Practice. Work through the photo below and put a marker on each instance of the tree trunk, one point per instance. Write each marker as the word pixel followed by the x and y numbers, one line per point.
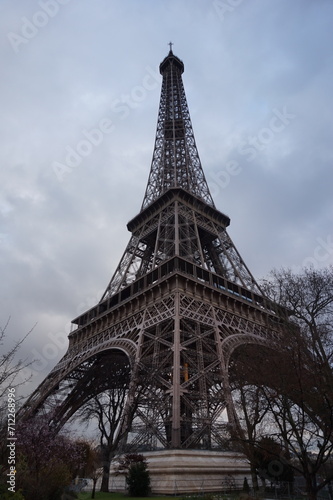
pixel 106 474
pixel 94 488
pixel 254 477
pixel 311 487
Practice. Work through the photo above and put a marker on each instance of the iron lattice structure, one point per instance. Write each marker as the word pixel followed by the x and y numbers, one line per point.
pixel 179 304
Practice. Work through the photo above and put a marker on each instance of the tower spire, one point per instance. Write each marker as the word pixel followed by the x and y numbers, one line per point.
pixel 176 161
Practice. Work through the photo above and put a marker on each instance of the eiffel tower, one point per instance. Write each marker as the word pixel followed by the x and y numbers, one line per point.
pixel 179 304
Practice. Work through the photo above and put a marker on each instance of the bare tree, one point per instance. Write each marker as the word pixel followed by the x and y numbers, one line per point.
pixel 251 409
pixel 112 410
pixel 253 367
pixel 13 374
pixel 106 411
pixel 285 392
pixel 309 298
pixel 300 394
pixel 309 446
pixel 9 367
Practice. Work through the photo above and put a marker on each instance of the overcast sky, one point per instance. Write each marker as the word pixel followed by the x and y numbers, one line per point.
pixel 79 95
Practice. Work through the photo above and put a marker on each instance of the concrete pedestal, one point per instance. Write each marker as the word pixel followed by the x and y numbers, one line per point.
pixel 192 471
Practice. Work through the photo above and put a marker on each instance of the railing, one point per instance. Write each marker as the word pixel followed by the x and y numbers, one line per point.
pixel 187 268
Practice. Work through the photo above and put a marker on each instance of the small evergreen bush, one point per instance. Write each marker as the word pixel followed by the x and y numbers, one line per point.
pixel 138 479
pixel 246 487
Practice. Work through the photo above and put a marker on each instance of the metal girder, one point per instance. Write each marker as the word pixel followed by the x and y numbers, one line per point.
pixel 181 230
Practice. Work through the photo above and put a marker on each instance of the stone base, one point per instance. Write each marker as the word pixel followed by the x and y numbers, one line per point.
pixel 192 471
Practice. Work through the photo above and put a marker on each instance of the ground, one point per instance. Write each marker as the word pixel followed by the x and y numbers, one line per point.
pixel 116 496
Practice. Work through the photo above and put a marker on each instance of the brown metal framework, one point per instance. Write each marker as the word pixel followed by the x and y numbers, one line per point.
pixel 178 305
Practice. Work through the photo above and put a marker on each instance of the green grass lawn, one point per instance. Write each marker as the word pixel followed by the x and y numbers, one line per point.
pixel 117 496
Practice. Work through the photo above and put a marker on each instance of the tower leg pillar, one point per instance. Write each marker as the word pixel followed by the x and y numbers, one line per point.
pixel 176 434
